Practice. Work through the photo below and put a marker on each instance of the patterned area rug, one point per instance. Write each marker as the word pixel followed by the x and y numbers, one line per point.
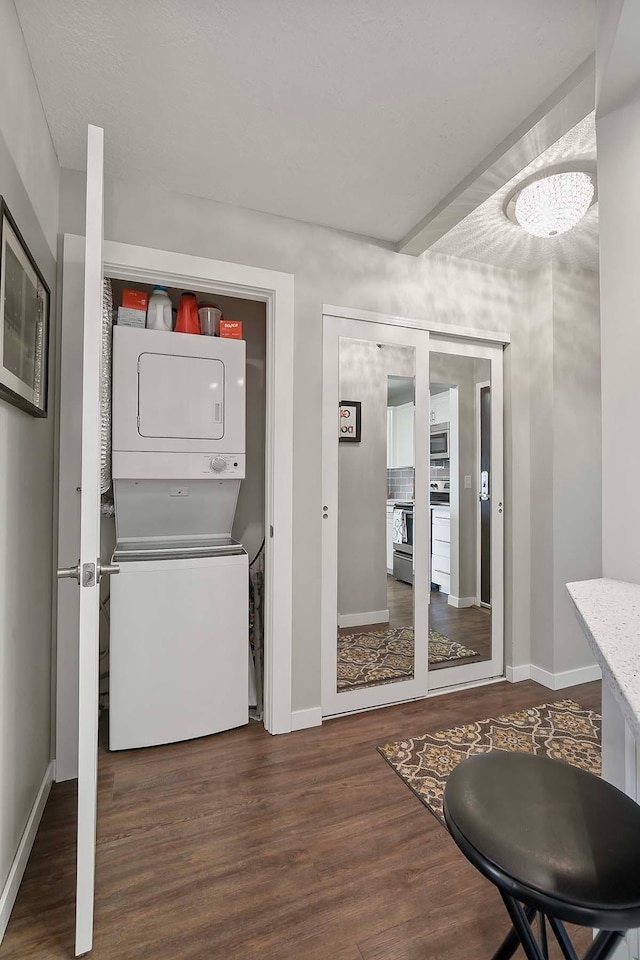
pixel 561 730
pixel 368 659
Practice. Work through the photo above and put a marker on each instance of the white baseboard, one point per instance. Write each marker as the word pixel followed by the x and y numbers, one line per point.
pixel 516 674
pixel 454 688
pixel 554 681
pixel 461 602
pixel 567 678
pixel 11 887
pixel 363 619
pixel 303 719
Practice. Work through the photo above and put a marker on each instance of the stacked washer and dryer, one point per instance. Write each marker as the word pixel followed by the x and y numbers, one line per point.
pixel 179 648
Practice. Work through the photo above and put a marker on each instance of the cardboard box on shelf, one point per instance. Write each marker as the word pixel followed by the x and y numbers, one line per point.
pixel 131 318
pixel 231 329
pixel 135 300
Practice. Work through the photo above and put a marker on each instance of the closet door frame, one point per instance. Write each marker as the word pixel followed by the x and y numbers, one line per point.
pixel 473 338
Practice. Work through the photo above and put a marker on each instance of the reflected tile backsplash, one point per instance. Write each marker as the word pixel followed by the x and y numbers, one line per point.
pixel 400 483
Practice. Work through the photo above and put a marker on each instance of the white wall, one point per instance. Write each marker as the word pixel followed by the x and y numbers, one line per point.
pixel 619 192
pixel 24 127
pixel 331 267
pixel 29 184
pixel 577 458
pixel 541 466
pixel 566 460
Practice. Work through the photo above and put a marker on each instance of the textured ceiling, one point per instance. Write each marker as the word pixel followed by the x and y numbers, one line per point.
pixel 487 235
pixel 356 114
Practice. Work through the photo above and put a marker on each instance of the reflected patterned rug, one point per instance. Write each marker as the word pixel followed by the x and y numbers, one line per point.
pixel 368 659
pixel 561 730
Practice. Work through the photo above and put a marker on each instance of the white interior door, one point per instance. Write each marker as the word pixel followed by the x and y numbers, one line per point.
pixel 88 570
pixel 374 625
pixel 470 627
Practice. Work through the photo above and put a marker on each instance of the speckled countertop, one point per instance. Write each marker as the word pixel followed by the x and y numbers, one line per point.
pixel 609 613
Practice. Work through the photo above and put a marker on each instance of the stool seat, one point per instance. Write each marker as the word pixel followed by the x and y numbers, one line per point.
pixel 549 835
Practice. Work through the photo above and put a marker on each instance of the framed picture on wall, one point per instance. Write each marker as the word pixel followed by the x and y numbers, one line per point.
pixel 25 302
pixel 349 422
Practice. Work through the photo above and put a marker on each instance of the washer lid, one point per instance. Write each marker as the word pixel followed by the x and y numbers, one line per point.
pixel 176 548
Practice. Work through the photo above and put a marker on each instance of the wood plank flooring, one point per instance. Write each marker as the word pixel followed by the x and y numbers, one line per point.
pixel 299 847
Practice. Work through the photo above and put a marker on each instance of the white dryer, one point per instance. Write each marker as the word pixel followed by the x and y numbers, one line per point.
pixel 179 648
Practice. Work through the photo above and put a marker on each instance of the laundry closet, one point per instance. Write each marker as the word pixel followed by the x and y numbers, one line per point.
pixel 182 515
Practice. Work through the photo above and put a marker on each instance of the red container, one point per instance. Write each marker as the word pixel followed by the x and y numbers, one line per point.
pixel 232 329
pixel 188 320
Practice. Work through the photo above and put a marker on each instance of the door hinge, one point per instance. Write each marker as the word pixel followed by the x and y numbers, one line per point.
pixel 138 422
pixel 271 530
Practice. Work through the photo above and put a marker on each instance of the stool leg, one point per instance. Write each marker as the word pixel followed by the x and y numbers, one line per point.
pixel 603 945
pixel 544 946
pixel 521 917
pixel 512 941
pixel 523 928
pixel 562 937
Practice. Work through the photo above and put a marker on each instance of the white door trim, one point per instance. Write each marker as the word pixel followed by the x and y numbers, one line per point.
pixel 448 330
pixel 479 386
pixel 334 703
pixel 276 290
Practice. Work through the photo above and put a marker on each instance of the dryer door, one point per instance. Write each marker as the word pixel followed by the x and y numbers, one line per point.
pixel 180 397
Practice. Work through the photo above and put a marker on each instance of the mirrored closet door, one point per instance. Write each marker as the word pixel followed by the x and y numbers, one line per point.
pixel 375 514
pixel 412 513
pixel 466 509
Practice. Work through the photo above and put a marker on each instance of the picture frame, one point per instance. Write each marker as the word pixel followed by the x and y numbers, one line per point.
pixel 25 307
pixel 349 421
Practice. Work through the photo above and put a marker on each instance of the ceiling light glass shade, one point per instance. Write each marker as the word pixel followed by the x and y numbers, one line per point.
pixel 555 204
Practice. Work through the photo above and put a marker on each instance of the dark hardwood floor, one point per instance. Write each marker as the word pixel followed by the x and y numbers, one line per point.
pixel 244 846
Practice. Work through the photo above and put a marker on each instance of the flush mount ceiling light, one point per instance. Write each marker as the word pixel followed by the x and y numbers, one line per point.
pixel 552 203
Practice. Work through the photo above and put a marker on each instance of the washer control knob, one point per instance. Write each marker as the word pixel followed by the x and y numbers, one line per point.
pixel 218 464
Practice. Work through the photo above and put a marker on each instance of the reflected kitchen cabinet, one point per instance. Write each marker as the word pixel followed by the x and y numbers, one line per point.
pixel 400 435
pixel 439 405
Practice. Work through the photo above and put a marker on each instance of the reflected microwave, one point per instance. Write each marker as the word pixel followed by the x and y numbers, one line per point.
pixel 440 441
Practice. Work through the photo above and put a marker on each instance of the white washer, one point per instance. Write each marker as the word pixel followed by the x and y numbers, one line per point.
pixel 179 646
pixel 179 655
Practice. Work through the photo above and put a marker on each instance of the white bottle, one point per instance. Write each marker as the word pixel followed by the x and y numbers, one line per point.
pixel 159 316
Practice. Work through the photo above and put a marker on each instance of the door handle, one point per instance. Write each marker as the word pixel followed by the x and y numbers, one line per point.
pixel 88 574
pixel 106 570
pixel 73 573
pixel 484 485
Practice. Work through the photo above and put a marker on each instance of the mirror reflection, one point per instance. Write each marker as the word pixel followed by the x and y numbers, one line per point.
pixel 375 515
pixel 376 498
pixel 460 491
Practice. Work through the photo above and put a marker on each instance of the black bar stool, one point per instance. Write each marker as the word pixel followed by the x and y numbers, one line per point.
pixel 558 843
